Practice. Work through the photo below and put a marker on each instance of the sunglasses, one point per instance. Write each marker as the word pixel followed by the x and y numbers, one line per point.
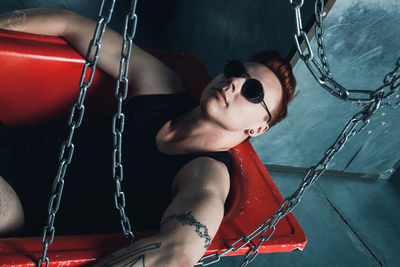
pixel 252 89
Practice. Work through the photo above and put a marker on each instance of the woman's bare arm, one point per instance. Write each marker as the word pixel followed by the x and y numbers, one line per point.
pixel 147 75
pixel 189 223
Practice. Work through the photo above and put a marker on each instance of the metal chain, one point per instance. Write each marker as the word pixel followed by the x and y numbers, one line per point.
pixel 118 121
pixel 355 125
pixel 323 74
pixel 319 8
pixel 74 122
pixel 265 230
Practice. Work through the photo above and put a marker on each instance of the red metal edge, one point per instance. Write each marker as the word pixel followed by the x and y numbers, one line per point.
pixel 246 216
pixel 65 250
pixel 242 216
pixel 32 37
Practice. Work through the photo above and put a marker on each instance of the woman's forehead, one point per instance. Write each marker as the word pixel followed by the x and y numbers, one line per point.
pixel 259 71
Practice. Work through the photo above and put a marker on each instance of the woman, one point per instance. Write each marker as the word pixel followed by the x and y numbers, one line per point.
pixel 185 140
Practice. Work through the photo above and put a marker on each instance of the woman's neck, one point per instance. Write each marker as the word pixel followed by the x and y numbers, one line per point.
pixel 192 133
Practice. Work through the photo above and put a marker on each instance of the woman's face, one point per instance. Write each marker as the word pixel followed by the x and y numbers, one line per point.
pixel 223 103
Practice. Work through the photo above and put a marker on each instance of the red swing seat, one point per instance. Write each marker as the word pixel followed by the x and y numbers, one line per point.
pixel 39 77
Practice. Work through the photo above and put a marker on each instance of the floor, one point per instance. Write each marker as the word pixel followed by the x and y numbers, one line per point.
pixel 347 221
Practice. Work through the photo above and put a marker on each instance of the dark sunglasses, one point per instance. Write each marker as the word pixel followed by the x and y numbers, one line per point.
pixel 252 89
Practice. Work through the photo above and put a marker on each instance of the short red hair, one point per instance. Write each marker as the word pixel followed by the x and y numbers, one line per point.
pixel 283 70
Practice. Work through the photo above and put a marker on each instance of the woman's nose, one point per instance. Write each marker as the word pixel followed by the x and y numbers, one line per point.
pixel 234 84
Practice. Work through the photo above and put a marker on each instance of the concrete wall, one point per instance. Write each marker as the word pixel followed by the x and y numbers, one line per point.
pixel 363 43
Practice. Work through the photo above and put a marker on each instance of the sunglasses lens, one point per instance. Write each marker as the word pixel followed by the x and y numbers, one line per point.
pixel 253 91
pixel 234 68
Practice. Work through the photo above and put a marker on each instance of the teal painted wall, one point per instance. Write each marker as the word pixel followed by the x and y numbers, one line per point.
pixel 362 39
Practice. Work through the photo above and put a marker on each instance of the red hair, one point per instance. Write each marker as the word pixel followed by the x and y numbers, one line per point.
pixel 283 70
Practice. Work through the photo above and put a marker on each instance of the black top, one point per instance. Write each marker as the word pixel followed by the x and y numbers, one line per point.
pixel 88 201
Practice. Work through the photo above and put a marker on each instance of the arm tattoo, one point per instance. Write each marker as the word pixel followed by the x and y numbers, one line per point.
pixel 138 254
pixel 17 18
pixel 188 219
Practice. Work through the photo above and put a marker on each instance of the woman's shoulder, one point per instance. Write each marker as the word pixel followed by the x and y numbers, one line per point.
pixel 213 160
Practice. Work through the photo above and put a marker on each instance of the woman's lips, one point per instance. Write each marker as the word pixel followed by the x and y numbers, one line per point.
pixel 221 96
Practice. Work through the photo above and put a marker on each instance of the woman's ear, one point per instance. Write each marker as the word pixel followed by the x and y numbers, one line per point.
pixel 263 130
pixel 258 131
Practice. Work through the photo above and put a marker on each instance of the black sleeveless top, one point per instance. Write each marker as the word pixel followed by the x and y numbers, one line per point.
pixel 88 198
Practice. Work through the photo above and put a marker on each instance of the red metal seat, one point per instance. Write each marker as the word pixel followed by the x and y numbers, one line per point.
pixel 39 77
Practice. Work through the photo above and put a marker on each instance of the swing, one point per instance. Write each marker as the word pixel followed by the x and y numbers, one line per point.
pixel 29 97
pixel 250 182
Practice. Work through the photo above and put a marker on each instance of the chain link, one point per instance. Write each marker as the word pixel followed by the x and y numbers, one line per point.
pixel 321 71
pixel 118 121
pixel 371 100
pixel 76 117
pixel 319 8
pixel 74 121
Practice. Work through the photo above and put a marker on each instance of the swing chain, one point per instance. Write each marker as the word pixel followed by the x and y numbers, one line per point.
pixel 265 230
pixel 319 8
pixel 118 121
pixel 323 75
pixel 74 122
pixel 355 125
